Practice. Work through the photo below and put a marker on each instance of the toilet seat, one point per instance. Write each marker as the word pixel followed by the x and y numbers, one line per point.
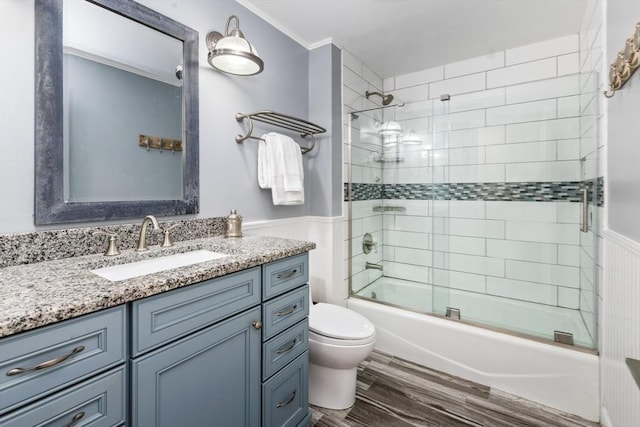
pixel 333 324
pixel 339 342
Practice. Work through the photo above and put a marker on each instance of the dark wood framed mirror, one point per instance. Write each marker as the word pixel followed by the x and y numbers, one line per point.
pixel 96 159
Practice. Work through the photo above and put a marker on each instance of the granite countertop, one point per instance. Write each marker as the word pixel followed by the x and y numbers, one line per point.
pixel 34 295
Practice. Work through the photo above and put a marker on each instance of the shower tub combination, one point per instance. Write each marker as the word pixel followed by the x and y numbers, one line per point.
pixel 452 274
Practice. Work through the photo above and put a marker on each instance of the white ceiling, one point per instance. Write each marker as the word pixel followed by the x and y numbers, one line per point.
pixel 398 36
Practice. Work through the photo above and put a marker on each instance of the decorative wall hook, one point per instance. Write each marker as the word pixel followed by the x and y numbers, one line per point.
pixel 626 63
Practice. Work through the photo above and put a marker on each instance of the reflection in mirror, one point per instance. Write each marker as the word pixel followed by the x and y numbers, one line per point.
pixel 121 71
pixel 117 124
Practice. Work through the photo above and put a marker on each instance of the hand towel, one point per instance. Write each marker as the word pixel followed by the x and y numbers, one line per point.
pixel 280 169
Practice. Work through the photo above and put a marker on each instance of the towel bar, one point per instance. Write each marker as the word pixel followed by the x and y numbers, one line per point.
pixel 284 121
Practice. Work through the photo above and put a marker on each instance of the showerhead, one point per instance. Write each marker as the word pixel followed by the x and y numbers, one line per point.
pixel 386 99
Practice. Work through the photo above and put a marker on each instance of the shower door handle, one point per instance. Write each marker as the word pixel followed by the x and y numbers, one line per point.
pixel 584 226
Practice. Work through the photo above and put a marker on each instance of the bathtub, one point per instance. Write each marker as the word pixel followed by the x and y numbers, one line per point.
pixel 555 376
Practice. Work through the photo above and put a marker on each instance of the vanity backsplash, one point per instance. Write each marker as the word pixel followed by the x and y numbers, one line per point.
pixel 38 246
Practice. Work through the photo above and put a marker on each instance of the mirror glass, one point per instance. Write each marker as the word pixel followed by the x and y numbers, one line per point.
pixel 119 82
pixel 116 112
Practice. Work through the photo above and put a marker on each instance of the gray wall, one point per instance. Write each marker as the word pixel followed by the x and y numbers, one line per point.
pixel 325 106
pixel 227 170
pixel 623 131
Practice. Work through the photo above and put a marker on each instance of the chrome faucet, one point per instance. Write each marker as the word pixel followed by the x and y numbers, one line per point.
pixel 373 266
pixel 142 240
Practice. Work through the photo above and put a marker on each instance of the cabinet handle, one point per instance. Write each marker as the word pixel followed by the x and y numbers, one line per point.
pixel 293 396
pixel 47 364
pixel 289 347
pixel 286 275
pixel 284 313
pixel 77 417
pixel 257 324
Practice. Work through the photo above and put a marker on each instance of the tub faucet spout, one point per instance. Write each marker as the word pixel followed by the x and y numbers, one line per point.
pixel 373 266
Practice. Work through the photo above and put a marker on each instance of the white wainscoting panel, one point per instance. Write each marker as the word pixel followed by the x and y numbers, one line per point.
pixel 620 327
pixel 326 262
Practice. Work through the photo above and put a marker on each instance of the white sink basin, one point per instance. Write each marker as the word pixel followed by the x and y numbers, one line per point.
pixel 155 265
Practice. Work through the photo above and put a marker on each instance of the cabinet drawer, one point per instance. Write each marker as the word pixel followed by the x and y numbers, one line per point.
pixel 58 355
pixel 280 276
pixel 283 348
pixel 284 311
pixel 162 318
pixel 285 400
pixel 98 402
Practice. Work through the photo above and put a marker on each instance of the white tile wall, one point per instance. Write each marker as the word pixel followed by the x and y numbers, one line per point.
pixel 475 228
pixel 543 273
pixel 543 89
pixel 519 289
pixel 525 251
pixel 476 264
pixel 524 152
pixel 543 171
pixel 544 130
pixel 519 113
pixel 543 232
pixel 526 72
pixel 474 65
pixel 457 85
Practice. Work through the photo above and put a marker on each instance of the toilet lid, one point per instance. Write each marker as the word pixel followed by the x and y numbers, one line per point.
pixel 339 322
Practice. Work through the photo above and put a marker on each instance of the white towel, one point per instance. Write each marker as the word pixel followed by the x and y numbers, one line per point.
pixel 280 169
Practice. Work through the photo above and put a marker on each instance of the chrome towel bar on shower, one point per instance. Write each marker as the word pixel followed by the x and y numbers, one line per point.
pixel 284 121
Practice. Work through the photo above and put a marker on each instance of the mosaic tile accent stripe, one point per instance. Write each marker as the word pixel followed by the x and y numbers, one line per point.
pixel 568 191
pixel 364 191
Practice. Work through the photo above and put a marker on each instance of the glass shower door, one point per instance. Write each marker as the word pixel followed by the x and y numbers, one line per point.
pixel 507 190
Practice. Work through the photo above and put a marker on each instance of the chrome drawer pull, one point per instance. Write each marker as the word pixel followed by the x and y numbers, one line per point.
pixel 281 404
pixel 286 275
pixel 77 417
pixel 284 313
pixel 289 348
pixel 47 364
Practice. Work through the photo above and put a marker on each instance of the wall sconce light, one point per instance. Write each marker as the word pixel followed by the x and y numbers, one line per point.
pixel 626 63
pixel 232 53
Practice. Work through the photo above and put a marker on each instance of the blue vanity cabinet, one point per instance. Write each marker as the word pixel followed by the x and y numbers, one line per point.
pixel 50 375
pixel 230 351
pixel 196 354
pixel 285 355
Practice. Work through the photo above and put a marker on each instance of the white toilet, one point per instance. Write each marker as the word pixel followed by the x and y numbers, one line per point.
pixel 339 339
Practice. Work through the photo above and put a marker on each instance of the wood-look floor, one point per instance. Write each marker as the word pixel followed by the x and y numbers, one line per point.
pixel 392 392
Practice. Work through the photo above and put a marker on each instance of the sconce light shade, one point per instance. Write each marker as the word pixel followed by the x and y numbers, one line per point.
pixel 232 53
pixel 390 128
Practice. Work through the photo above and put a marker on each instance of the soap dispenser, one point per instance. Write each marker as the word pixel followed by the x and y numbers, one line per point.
pixel 234 224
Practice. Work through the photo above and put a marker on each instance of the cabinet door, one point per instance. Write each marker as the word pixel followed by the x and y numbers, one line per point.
pixel 209 378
